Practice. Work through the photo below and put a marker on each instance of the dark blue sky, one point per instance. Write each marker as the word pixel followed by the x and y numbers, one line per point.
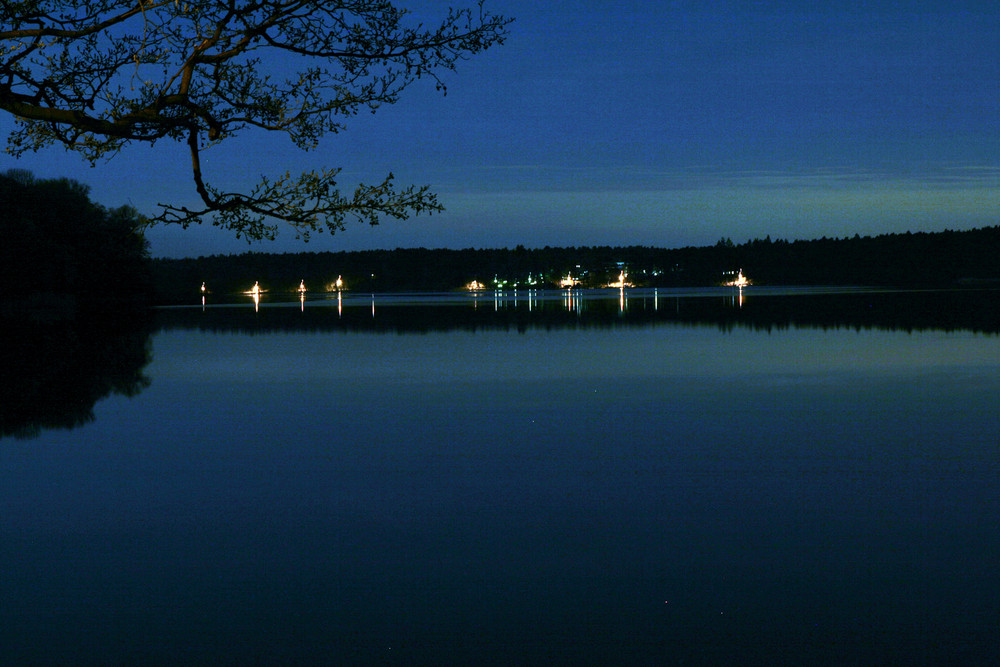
pixel 636 123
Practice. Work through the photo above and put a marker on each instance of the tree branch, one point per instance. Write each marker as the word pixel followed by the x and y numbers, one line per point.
pixel 100 74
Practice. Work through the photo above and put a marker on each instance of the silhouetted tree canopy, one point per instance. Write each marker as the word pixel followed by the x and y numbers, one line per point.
pixel 56 241
pixel 54 372
pixel 925 259
pixel 99 75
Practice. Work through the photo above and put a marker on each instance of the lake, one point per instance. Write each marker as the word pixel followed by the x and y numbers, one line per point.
pixel 651 477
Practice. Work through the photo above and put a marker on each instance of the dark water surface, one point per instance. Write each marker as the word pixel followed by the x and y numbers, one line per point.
pixel 667 478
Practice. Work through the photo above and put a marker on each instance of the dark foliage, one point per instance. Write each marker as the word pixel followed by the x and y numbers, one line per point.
pixel 97 76
pixel 940 259
pixel 60 248
pixel 55 371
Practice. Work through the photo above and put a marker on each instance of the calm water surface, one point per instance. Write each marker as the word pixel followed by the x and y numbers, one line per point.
pixel 671 480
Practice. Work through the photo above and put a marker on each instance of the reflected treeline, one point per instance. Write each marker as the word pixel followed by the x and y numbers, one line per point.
pixel 970 310
pixel 57 364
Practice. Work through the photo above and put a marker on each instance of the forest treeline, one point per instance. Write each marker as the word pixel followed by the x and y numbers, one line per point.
pixel 64 248
pixel 74 311
pixel 60 249
pixel 923 259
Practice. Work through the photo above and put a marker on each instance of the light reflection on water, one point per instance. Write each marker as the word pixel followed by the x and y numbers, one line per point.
pixel 659 493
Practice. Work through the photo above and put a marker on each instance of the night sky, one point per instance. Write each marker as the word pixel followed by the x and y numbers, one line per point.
pixel 635 123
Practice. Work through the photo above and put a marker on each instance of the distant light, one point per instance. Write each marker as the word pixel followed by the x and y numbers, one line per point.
pixel 739 281
pixel 621 283
pixel 569 281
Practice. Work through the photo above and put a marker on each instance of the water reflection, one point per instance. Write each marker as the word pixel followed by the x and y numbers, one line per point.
pixel 972 310
pixel 737 298
pixel 656 489
pixel 573 300
pixel 56 370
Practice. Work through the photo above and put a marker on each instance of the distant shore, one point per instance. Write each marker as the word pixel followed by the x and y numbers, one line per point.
pixel 938 259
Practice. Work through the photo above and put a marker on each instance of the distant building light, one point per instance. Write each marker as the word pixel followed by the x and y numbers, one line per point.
pixel 738 281
pixel 569 281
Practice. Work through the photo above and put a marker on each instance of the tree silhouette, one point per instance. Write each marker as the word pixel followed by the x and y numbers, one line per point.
pixel 99 75
pixel 56 371
pixel 58 242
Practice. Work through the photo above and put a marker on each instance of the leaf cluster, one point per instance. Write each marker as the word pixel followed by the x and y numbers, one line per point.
pixel 99 75
pixel 57 241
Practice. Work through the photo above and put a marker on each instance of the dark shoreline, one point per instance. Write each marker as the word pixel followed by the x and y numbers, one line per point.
pixel 922 260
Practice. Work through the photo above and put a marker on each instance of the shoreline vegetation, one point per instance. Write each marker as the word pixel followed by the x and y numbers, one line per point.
pixel 908 260
pixel 64 254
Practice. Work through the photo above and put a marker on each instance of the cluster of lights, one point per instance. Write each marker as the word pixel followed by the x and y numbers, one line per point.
pixel 739 280
pixel 567 282
pixel 621 283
